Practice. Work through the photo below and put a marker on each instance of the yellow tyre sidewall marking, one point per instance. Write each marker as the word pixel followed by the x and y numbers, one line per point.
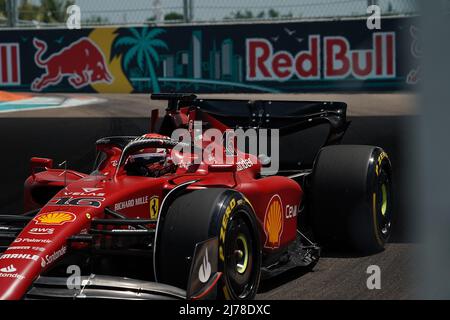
pixel 375 220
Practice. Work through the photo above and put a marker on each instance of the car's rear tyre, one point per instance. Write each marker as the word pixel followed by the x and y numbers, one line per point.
pixel 351 197
pixel 201 215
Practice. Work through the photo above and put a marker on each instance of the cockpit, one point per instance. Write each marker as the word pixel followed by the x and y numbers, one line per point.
pixel 150 155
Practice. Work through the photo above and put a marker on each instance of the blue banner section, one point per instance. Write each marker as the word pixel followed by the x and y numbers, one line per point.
pixel 258 57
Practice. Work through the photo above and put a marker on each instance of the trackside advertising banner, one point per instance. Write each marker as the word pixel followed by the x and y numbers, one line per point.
pixel 266 57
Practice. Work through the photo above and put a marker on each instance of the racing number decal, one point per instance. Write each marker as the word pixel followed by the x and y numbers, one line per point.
pixel 79 202
pixel 154 207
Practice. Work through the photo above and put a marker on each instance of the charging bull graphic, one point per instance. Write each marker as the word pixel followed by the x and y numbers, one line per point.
pixel 82 62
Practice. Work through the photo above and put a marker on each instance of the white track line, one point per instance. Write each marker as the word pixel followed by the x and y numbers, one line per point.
pixel 46 103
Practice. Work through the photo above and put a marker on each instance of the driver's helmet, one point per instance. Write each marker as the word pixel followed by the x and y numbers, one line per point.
pixel 148 156
pixel 150 162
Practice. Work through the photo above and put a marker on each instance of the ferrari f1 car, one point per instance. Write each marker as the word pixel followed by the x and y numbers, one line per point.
pixel 143 226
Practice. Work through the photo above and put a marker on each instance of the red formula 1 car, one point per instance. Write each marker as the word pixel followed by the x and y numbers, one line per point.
pixel 152 221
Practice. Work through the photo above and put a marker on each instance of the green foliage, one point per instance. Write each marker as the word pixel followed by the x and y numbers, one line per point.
pixel 28 11
pixel 55 10
pixel 3 8
pixel 273 13
pixel 47 11
pixel 173 16
pixel 247 14
pixel 95 20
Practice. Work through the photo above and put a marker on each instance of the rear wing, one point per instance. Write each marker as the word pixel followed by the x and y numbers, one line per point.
pixel 286 116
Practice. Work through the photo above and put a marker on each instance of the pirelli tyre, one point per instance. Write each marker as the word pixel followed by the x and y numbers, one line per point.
pixel 351 197
pixel 201 215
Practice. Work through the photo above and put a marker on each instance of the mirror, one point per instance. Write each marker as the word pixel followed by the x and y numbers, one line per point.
pixel 40 163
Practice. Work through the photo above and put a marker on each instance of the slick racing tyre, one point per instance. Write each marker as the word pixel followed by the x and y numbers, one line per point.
pixel 203 214
pixel 351 197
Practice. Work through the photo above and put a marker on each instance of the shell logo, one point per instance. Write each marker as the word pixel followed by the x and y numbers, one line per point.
pixel 273 222
pixel 54 218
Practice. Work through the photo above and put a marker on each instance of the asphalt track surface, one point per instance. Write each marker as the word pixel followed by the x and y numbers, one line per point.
pixel 378 119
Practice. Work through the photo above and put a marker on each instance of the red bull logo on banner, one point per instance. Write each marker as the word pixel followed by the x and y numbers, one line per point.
pixel 261 57
pixel 9 64
pixel 82 62
pixel 339 61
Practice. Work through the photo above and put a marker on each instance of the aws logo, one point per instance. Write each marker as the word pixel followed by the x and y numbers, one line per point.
pixel 273 222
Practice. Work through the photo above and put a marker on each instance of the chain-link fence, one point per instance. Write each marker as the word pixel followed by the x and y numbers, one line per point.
pixel 42 13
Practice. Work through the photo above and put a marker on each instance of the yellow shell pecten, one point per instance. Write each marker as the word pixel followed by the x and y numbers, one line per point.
pixel 56 217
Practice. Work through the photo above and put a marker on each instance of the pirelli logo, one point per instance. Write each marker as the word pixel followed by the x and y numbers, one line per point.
pixel 9 64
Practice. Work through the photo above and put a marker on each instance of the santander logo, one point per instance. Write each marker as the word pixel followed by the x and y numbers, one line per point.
pixel 329 59
pixel 10 272
pixel 8 269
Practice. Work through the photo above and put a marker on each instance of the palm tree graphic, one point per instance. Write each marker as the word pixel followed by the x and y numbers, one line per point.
pixel 142 47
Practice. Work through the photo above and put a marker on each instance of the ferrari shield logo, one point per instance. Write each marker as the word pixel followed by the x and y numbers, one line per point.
pixel 154 207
